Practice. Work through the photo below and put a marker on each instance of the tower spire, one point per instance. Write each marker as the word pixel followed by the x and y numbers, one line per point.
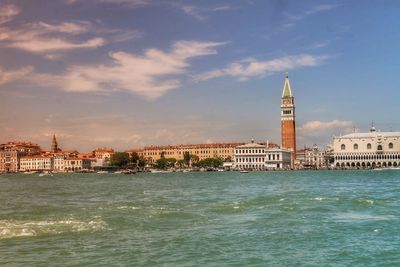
pixel 54 144
pixel 287 90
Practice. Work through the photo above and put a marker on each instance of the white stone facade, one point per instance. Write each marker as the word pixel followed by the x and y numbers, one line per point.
pixel 367 150
pixel 254 156
pixel 36 163
pixel 278 159
pixel 77 164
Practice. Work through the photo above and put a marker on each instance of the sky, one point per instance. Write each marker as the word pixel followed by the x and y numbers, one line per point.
pixel 130 73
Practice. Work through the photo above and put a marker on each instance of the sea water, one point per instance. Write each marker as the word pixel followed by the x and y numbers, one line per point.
pixel 302 218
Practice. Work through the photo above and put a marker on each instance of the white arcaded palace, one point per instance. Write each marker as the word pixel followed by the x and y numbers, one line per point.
pixel 373 149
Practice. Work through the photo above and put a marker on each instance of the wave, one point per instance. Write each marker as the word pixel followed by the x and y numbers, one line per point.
pixel 13 228
pixel 351 217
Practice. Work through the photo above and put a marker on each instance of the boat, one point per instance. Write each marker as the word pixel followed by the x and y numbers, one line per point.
pixel 127 172
pixel 102 172
pixel 45 174
pixel 244 171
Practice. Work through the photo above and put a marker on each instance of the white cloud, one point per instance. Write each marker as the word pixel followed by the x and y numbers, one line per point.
pixel 12 75
pixel 246 69
pixel 44 38
pixel 315 128
pixel 314 10
pixel 44 45
pixel 200 13
pixel 128 3
pixel 66 27
pixel 148 75
pixel 7 12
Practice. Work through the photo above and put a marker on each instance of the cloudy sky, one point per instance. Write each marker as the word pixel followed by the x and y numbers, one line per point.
pixel 129 73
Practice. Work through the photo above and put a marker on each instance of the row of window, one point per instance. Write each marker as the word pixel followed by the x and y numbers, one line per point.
pixel 249 151
pixel 367 157
pixel 250 160
pixel 369 146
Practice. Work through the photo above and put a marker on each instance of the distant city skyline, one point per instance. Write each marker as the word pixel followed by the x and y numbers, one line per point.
pixel 131 73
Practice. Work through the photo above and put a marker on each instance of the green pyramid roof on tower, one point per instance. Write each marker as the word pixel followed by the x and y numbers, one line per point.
pixel 287 90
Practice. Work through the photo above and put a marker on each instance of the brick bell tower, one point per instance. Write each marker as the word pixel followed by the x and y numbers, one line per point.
pixel 288 123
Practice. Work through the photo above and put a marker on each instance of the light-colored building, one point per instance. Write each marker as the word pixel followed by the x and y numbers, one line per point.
pixel 278 158
pixel 367 150
pixel 250 156
pixel 203 151
pixel 24 147
pixel 36 163
pixel 103 153
pixel 77 164
pixel 59 164
pixel 315 158
pixel 9 161
pixel 253 156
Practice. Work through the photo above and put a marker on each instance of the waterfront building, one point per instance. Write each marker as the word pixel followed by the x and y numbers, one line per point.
pixel 103 153
pixel 315 158
pixel 77 164
pixel 140 152
pixel 288 123
pixel 9 161
pixel 59 164
pixel 250 156
pixel 36 163
pixel 24 147
pixel 203 151
pixel 367 150
pixel 253 156
pixel 278 158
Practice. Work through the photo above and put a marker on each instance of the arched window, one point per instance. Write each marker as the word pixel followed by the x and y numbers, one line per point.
pixel 355 146
pixel 390 145
pixel 343 147
pixel 380 147
pixel 369 146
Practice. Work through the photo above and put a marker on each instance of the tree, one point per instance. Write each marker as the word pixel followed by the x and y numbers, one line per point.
pixel 182 163
pixel 164 163
pixel 142 162
pixel 186 157
pixel 210 163
pixel 228 159
pixel 194 158
pixel 120 159
pixel 134 157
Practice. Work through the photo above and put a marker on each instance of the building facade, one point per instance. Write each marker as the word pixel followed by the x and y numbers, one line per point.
pixel 253 156
pixel 103 153
pixel 373 149
pixel 24 147
pixel 278 158
pixel 36 163
pixel 77 164
pixel 203 151
pixel 9 161
pixel 315 158
pixel 250 156
pixel 288 122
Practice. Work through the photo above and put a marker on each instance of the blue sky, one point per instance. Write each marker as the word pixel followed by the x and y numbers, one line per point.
pixel 129 73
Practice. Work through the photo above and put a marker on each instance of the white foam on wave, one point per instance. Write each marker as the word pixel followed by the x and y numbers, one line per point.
pixel 326 198
pixel 12 228
pixel 128 207
pixel 351 217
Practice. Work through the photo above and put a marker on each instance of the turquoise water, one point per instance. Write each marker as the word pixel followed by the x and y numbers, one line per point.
pixel 314 218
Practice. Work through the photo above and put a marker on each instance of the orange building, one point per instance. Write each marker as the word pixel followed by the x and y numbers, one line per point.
pixel 288 123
